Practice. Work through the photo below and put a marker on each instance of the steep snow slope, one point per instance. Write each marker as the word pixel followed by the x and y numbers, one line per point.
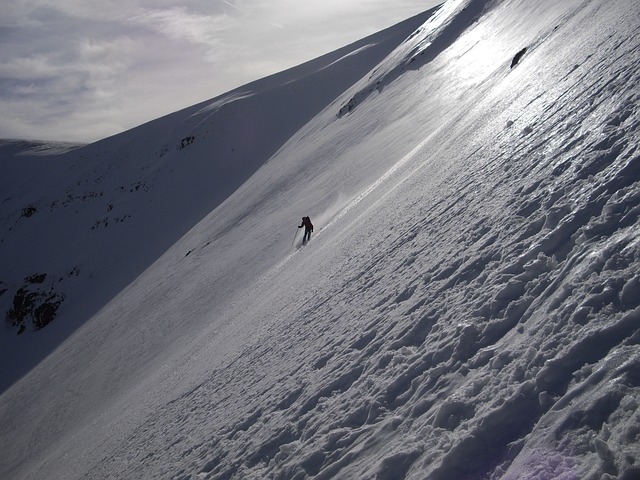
pixel 467 308
pixel 77 228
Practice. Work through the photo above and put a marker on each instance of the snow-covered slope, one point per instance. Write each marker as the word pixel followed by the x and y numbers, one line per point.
pixel 468 306
pixel 77 228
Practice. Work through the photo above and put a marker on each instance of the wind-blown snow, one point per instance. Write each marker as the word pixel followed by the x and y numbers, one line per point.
pixel 468 306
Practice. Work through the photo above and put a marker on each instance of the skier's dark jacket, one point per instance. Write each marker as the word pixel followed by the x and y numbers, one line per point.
pixel 306 223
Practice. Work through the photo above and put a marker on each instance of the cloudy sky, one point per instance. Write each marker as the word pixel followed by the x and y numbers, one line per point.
pixel 81 70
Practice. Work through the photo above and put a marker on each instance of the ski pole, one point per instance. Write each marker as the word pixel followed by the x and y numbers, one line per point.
pixel 294 237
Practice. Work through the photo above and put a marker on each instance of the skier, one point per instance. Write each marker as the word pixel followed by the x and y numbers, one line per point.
pixel 308 228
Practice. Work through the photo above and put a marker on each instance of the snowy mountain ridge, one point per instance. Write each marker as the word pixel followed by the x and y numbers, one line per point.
pixel 468 306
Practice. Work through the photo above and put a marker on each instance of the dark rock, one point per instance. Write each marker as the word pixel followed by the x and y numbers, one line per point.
pixel 517 57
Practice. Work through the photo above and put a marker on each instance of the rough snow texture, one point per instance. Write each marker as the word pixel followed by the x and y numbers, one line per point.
pixel 468 306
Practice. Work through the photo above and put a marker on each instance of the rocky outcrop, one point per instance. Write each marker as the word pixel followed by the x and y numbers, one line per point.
pixel 33 306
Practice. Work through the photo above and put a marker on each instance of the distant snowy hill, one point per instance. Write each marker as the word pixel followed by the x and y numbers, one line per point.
pixel 13 148
pixel 468 306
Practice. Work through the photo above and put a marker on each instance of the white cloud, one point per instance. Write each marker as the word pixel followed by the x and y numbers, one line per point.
pixel 29 68
pixel 180 24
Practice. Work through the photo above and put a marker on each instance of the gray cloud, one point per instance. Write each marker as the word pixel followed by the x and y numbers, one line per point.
pixel 82 70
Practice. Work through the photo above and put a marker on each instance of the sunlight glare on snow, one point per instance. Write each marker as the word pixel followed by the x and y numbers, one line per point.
pixel 476 55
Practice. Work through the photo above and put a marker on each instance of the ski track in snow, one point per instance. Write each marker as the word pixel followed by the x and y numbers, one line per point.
pixel 474 312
